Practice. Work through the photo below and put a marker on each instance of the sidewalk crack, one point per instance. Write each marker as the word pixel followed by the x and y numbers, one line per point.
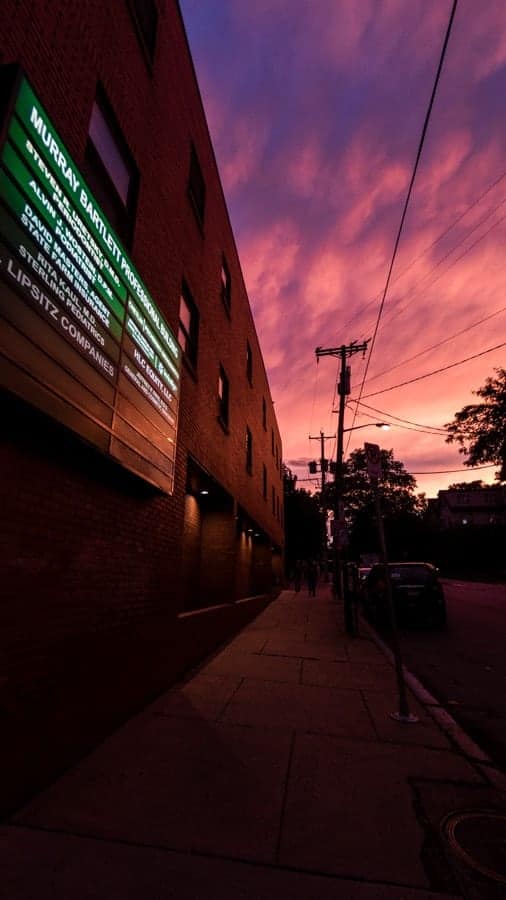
pixel 284 800
pixel 229 701
pixel 371 718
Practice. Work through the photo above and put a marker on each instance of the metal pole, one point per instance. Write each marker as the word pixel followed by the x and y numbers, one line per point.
pixel 322 438
pixel 403 715
pixel 324 505
pixel 338 482
pixel 343 352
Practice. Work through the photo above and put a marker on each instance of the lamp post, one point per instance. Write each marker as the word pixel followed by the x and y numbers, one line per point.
pixel 384 425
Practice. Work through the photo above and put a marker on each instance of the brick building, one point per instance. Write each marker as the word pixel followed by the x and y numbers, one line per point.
pixel 141 493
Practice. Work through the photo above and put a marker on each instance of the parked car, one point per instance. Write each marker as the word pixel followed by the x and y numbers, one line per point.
pixel 417 593
pixel 363 572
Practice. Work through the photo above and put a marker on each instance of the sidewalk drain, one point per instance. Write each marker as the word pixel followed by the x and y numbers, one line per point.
pixel 477 837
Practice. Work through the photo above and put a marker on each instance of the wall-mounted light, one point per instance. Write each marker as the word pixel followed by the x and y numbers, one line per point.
pixel 204 493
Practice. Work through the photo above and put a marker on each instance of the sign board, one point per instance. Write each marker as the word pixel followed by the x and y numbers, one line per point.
pixel 373 459
pixel 80 335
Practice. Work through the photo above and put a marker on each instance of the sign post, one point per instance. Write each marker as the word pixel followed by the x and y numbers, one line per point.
pixel 373 458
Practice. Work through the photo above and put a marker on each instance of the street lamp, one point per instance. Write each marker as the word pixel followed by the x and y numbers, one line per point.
pixel 384 425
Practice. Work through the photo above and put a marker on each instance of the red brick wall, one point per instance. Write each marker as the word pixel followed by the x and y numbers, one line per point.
pixel 91 555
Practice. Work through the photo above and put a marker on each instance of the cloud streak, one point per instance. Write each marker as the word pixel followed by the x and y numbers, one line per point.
pixel 315 110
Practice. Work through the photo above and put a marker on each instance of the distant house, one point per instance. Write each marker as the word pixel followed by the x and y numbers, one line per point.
pixel 476 506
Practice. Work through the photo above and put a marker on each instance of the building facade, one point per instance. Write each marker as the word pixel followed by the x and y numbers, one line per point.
pixel 142 513
pixel 473 506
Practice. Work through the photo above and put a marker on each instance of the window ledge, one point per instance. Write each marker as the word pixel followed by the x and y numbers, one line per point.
pixel 149 58
pixel 198 218
pixel 226 307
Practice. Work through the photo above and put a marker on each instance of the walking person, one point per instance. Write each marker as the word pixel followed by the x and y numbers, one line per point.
pixel 312 577
pixel 297 575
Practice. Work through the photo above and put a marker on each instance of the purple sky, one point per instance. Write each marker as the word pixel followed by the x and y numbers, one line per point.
pixel 315 109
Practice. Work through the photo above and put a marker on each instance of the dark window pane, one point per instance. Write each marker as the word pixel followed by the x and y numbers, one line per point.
pixel 226 286
pixel 188 330
pixel 249 363
pixel 223 393
pixel 249 450
pixel 110 170
pixel 146 17
pixel 196 186
pixel 102 138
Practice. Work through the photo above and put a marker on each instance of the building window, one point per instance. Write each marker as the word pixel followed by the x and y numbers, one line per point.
pixel 196 187
pixel 110 169
pixel 277 457
pixel 145 15
pixel 264 482
pixel 273 495
pixel 277 508
pixel 226 284
pixel 272 441
pixel 249 451
pixel 188 332
pixel 264 413
pixel 249 363
pixel 223 393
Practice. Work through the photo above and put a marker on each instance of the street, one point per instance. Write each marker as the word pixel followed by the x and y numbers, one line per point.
pixel 465 666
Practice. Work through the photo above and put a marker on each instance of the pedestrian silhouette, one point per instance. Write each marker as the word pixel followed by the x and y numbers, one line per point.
pixel 312 577
pixel 297 575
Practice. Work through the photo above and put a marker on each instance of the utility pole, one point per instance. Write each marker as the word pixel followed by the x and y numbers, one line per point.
pixel 343 352
pixel 323 469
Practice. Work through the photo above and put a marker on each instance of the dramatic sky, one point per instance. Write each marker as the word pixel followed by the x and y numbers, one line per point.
pixel 315 109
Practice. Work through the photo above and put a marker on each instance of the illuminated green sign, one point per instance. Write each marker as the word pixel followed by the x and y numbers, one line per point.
pixel 80 335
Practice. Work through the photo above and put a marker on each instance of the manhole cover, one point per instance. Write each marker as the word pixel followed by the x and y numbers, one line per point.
pixel 478 838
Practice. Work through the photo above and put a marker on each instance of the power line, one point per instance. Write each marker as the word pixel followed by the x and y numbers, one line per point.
pixel 314 396
pixel 460 362
pixel 410 189
pixel 396 312
pixel 397 419
pixel 429 247
pixel 449 471
pixel 419 429
pixel 438 344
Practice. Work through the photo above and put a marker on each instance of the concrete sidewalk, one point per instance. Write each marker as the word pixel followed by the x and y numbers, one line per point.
pixel 275 770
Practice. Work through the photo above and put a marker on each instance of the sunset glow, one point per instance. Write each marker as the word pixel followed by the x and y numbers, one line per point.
pixel 315 111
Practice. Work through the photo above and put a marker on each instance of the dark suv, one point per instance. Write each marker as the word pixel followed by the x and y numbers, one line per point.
pixel 416 591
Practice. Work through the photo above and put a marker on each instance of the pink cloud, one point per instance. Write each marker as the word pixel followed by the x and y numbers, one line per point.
pixel 316 118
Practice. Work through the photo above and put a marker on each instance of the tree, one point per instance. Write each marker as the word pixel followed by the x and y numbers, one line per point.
pixel 397 485
pixel 480 428
pixel 402 509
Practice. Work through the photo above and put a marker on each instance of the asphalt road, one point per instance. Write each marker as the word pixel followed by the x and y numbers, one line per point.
pixel 464 667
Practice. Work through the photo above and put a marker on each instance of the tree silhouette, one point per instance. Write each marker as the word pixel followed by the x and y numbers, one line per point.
pixel 480 428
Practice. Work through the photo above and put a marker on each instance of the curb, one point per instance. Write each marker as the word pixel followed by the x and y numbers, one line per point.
pixel 446 722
